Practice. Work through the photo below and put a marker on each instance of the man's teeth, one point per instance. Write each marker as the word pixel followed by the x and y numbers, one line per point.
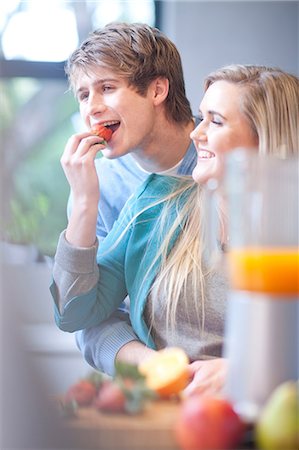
pixel 111 122
pixel 205 154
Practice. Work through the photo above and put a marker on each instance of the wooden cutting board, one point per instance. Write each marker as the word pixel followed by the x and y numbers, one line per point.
pixel 150 430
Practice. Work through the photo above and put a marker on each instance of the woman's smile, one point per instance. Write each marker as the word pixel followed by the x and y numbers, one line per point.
pixel 205 154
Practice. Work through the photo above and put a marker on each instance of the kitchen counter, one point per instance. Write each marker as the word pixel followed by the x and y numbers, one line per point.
pixel 151 430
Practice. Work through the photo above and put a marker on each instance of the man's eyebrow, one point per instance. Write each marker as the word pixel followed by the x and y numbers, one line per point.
pixel 105 80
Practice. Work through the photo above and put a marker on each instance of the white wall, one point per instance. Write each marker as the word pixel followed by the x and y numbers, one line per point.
pixel 210 34
pixel 25 297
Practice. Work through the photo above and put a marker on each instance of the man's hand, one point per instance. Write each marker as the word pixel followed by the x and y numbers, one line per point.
pixel 78 164
pixel 79 167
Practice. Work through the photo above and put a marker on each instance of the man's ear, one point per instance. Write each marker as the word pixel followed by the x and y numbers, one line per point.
pixel 160 89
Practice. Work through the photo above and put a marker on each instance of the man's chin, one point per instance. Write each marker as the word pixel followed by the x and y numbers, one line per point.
pixel 110 154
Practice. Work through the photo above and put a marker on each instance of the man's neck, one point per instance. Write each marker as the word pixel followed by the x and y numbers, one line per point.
pixel 167 149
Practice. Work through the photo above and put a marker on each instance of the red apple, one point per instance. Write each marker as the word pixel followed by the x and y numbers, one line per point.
pixel 208 423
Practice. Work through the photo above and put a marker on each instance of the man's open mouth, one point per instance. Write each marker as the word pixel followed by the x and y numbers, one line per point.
pixel 112 125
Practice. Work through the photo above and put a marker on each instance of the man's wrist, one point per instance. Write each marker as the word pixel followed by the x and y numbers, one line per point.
pixel 133 352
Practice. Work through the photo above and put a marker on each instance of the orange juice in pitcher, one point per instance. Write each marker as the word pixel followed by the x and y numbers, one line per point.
pixel 273 270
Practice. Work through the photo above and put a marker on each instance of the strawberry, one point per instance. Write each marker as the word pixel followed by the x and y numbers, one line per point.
pixel 83 392
pixel 126 393
pixel 110 398
pixel 103 132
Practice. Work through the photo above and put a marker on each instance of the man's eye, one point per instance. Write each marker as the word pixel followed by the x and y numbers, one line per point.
pixel 83 96
pixel 107 88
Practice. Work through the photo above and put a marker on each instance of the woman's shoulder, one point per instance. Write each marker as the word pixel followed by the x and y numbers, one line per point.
pixel 154 192
pixel 156 184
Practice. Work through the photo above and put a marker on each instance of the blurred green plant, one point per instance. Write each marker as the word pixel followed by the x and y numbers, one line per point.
pixel 36 190
pixel 24 223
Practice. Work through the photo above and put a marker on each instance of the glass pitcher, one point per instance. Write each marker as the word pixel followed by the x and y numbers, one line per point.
pixel 258 200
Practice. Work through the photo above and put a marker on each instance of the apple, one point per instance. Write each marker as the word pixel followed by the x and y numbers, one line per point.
pixel 207 423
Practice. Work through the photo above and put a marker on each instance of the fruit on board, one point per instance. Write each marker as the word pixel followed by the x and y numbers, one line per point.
pixel 127 392
pixel 103 132
pixel 166 372
pixel 83 392
pixel 205 423
pixel 110 398
pixel 277 427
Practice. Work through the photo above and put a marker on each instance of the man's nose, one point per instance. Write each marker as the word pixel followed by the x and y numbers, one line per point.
pixel 96 104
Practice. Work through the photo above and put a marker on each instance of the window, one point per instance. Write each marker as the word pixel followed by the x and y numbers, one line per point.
pixel 38 113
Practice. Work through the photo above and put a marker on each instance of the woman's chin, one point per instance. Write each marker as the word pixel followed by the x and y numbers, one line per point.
pixel 202 174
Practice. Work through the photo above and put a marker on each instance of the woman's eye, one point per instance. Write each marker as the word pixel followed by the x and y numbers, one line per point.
pixel 217 121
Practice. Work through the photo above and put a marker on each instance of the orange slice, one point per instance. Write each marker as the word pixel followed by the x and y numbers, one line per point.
pixel 166 372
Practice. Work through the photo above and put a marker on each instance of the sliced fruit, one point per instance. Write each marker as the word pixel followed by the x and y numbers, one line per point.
pixel 166 372
pixel 103 132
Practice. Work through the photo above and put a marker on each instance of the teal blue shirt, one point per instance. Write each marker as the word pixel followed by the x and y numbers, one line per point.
pixel 124 259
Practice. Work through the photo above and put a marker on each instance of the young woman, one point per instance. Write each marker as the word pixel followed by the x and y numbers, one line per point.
pixel 156 252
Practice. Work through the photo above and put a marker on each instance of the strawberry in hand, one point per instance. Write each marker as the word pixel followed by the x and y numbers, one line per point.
pixel 103 132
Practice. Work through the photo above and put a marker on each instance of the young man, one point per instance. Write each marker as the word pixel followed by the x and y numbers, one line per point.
pixel 129 78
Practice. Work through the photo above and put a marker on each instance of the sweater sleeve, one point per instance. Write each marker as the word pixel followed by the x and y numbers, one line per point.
pixel 100 345
pixel 85 293
pixel 75 270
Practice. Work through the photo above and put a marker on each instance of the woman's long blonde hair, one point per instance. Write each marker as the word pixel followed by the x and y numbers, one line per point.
pixel 270 102
pixel 181 265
